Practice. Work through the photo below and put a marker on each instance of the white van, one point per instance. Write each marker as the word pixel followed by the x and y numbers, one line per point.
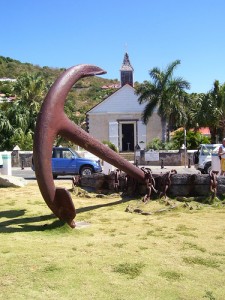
pixel 203 157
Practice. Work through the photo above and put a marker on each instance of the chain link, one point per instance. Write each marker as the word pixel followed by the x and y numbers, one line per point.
pixel 213 183
pixel 150 184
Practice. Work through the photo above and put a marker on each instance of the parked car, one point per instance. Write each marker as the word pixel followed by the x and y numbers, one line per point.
pixel 66 161
pixel 203 157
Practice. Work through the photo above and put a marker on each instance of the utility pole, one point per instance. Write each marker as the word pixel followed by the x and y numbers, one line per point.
pixel 185 147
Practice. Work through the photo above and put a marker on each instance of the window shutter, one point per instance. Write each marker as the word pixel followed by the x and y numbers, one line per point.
pixel 141 133
pixel 114 133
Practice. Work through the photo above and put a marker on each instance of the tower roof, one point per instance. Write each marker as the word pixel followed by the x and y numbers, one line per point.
pixel 126 66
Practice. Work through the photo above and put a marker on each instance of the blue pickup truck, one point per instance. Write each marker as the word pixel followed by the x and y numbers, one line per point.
pixel 66 161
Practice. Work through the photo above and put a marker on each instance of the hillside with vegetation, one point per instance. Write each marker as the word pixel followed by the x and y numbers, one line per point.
pixel 20 102
pixel 86 93
pixel 32 84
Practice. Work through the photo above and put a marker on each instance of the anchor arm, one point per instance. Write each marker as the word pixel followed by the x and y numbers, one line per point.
pixel 52 121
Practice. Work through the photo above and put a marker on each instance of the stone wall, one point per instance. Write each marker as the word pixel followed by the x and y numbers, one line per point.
pixel 169 158
pixel 185 185
pixel 21 159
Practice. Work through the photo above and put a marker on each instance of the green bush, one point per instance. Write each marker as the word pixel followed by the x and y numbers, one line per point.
pixel 157 144
pixel 193 139
pixel 110 145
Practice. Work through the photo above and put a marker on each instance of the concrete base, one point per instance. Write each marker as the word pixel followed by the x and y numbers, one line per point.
pixel 12 181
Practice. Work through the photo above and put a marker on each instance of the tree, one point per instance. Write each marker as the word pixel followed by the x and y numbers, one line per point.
pixel 30 88
pixel 209 110
pixel 18 118
pixel 193 139
pixel 166 93
pixel 218 95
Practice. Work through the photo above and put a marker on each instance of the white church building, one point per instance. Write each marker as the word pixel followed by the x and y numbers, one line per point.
pixel 118 118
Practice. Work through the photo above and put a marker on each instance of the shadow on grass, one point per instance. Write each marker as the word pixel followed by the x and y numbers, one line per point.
pixel 93 207
pixel 26 224
pixel 9 214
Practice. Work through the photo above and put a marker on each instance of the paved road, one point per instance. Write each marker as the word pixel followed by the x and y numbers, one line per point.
pixel 26 173
pixel 29 174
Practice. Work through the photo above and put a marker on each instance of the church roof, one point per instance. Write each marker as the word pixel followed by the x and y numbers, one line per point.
pixel 123 101
pixel 126 66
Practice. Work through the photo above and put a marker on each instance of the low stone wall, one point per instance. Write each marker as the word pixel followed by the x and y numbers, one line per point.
pixel 168 158
pixel 189 185
pixel 186 185
pixel 21 159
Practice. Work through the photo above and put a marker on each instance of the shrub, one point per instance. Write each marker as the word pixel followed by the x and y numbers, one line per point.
pixel 157 144
pixel 110 145
pixel 193 139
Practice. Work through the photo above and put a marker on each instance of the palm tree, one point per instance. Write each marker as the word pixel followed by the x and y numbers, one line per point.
pixel 165 93
pixel 209 110
pixel 218 95
pixel 30 87
pixel 20 116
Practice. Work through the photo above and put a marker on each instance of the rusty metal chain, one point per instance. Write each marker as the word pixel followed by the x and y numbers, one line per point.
pixel 76 180
pixel 166 182
pixel 150 184
pixel 116 182
pixel 213 183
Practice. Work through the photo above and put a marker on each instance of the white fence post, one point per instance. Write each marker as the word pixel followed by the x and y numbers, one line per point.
pixel 7 164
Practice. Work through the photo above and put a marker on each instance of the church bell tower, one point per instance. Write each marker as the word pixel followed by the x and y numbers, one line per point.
pixel 126 72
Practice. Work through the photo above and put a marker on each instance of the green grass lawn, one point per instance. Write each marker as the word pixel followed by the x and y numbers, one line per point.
pixel 179 254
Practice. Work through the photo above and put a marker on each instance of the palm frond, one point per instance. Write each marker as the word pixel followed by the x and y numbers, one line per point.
pixel 149 109
pixel 145 91
pixel 180 83
pixel 156 75
pixel 168 73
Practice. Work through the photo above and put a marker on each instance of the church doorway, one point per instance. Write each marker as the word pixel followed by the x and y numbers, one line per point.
pixel 127 136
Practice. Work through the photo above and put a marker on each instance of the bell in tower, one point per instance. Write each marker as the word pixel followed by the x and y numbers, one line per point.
pixel 126 72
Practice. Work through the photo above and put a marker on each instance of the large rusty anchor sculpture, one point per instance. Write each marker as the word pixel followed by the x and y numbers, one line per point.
pixel 52 121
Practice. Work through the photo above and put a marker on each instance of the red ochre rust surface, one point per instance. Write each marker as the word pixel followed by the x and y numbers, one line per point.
pixel 52 121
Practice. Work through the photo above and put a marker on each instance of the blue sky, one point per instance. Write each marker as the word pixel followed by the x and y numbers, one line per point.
pixel 154 33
